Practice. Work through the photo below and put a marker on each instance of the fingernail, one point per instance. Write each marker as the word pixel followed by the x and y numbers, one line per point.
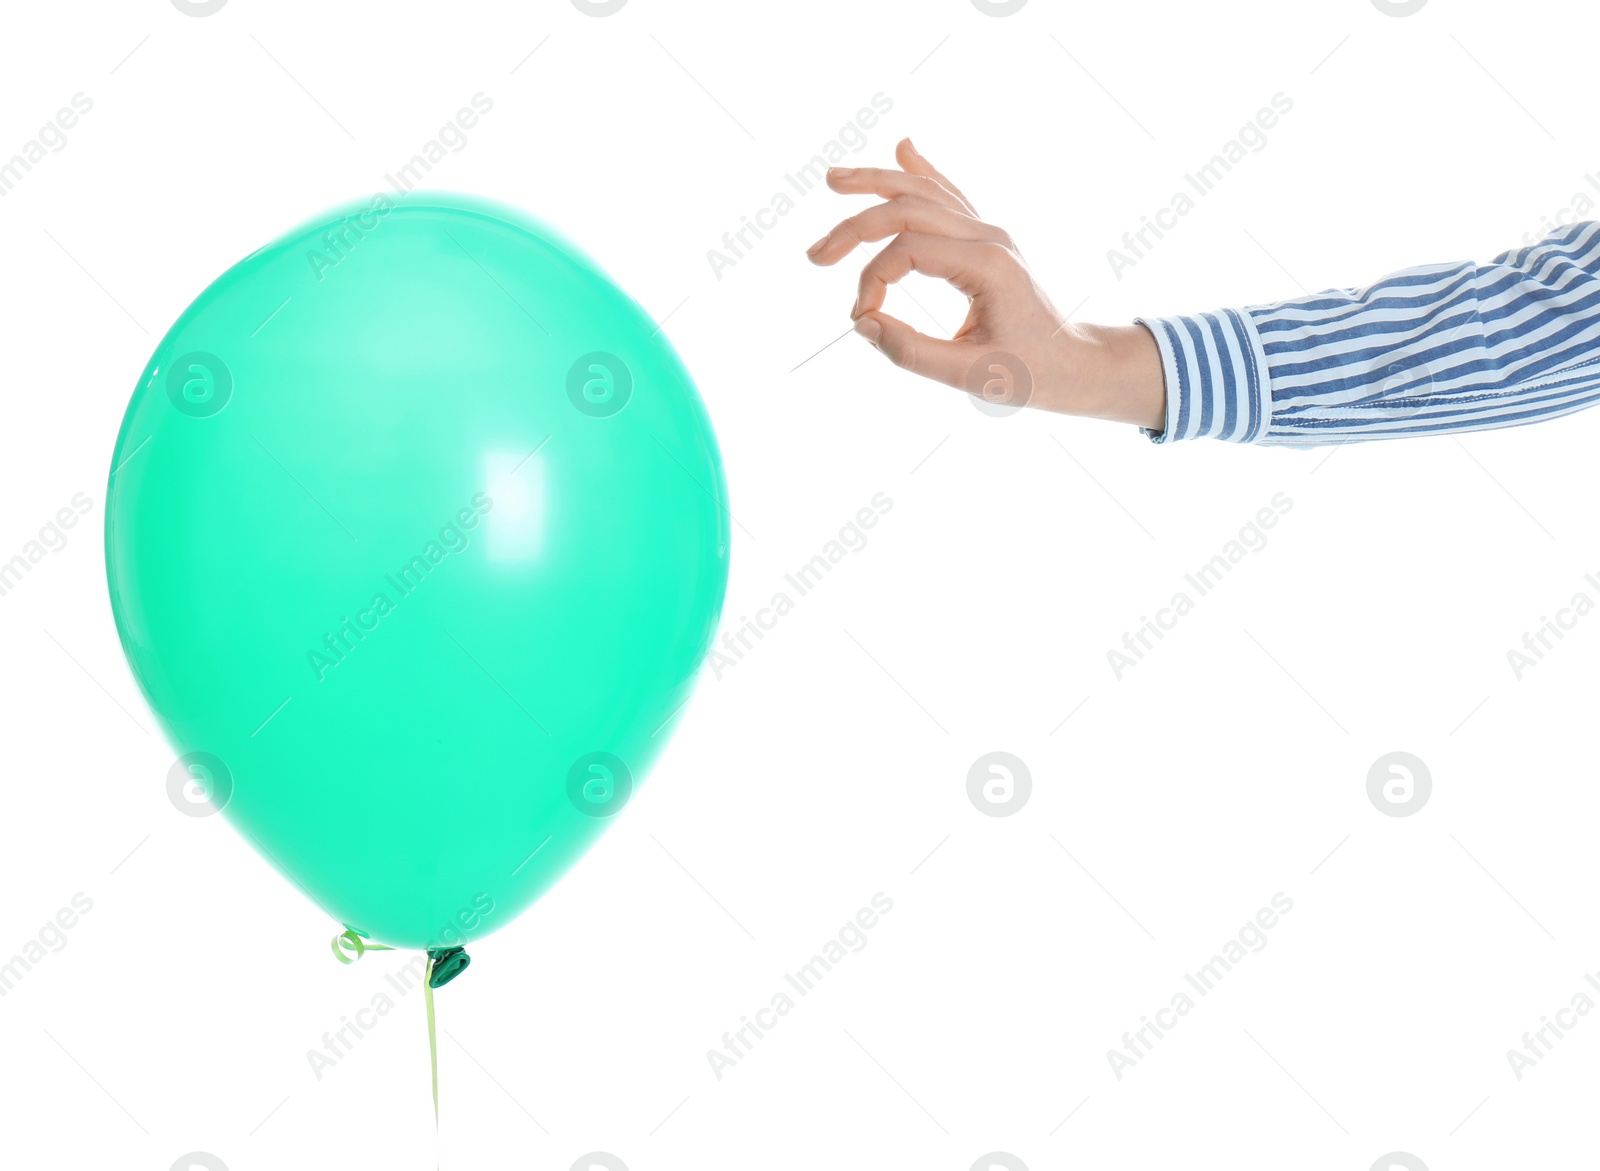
pixel 817 247
pixel 869 328
pixel 913 146
pixel 841 172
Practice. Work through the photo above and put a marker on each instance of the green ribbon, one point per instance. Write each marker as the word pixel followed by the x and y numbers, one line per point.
pixel 433 1040
pixel 444 965
pixel 350 945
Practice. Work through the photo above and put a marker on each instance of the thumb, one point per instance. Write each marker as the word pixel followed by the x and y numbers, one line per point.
pixel 931 357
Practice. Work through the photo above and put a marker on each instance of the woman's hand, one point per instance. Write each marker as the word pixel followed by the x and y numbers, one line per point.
pixel 1014 347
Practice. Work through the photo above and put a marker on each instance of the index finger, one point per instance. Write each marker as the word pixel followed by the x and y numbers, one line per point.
pixel 960 262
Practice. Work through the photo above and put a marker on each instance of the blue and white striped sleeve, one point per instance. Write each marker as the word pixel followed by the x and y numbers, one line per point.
pixel 1435 350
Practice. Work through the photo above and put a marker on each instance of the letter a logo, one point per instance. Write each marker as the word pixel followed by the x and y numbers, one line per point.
pixel 599 384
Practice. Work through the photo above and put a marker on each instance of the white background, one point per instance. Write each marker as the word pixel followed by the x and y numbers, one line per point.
pixel 831 763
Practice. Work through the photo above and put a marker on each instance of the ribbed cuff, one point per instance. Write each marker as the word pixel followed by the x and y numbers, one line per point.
pixel 1216 372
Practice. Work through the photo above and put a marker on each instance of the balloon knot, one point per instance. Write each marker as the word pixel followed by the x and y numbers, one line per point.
pixel 447 963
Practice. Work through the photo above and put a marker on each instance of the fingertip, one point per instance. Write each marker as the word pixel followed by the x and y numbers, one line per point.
pixel 869 327
pixel 895 340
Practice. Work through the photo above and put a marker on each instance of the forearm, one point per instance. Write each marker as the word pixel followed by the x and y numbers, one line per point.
pixel 1433 350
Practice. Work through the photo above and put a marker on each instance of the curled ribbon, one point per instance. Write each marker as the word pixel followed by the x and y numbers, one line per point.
pixel 349 946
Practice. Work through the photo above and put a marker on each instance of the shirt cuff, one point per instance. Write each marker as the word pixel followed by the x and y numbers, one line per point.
pixel 1216 375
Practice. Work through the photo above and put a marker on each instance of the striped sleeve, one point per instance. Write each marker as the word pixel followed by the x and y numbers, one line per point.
pixel 1435 350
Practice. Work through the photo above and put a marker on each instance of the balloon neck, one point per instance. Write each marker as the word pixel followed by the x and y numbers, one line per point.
pixel 445 964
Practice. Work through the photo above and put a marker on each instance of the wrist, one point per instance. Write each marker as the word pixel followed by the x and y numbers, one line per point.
pixel 1114 372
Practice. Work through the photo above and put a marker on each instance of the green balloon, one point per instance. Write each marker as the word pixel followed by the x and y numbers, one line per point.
pixel 416 536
